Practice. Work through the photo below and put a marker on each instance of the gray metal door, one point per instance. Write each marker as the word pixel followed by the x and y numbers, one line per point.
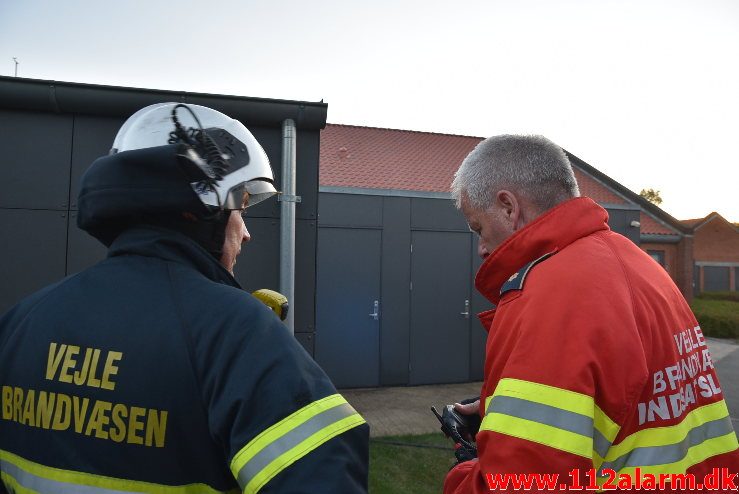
pixel 348 305
pixel 440 307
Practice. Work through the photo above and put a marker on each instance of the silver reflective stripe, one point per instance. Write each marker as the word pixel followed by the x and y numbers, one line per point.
pixel 549 415
pixel 543 414
pixel 48 486
pixel 291 439
pixel 601 445
pixel 671 453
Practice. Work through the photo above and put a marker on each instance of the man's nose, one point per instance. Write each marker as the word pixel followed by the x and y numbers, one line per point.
pixel 245 236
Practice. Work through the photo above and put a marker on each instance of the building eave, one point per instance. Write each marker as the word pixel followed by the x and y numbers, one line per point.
pixel 18 93
pixel 655 238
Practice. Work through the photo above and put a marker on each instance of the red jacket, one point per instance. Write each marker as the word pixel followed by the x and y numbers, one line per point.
pixel 593 361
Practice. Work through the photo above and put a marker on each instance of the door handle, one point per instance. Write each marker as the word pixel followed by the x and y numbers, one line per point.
pixel 376 315
pixel 466 312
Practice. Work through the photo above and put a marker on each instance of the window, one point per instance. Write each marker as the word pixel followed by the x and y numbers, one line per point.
pixel 657 255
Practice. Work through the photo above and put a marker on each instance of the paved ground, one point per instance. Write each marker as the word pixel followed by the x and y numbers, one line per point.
pixel 727 368
pixel 406 410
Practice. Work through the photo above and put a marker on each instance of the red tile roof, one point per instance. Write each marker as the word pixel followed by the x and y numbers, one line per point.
pixel 374 158
pixel 692 223
pixel 390 159
pixel 650 226
pixel 595 190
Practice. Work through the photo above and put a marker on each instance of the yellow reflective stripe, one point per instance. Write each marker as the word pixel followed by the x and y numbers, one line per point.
pixel 546 395
pixel 280 428
pixel 301 450
pixel 563 399
pixel 290 439
pixel 487 402
pixel 663 436
pixel 22 472
pixel 604 424
pixel 539 433
pixel 695 455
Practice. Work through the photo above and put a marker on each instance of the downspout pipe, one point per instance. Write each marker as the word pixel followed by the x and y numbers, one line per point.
pixel 287 218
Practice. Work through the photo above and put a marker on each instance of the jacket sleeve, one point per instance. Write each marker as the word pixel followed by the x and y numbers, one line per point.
pixel 563 376
pixel 283 426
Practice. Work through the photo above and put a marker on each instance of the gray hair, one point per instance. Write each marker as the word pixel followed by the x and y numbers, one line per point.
pixel 530 165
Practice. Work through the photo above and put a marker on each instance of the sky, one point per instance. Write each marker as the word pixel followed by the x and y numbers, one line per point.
pixel 646 91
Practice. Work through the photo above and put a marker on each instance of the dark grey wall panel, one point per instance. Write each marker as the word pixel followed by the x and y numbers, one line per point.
pixel 307 174
pixel 436 214
pixel 83 250
pixel 93 137
pixel 715 278
pixel 36 154
pixel 396 278
pixel 258 265
pixel 620 221
pixel 350 210
pixel 306 233
pixel 32 252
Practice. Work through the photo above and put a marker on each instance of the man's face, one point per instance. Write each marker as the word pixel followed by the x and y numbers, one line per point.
pixel 236 234
pixel 490 225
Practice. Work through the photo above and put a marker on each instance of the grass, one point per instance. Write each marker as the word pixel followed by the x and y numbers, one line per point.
pixel 718 313
pixel 419 465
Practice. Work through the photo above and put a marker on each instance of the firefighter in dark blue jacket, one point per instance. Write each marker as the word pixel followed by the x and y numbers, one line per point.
pixel 153 371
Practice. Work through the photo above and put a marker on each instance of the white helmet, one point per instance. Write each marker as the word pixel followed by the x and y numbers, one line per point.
pixel 228 155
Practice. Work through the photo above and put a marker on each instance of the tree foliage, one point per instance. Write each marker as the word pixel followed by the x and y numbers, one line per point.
pixel 652 196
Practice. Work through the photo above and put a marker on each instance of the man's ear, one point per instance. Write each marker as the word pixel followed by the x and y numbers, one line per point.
pixel 507 201
pixel 510 206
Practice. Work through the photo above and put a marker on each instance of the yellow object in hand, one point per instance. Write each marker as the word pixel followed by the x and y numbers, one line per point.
pixel 274 300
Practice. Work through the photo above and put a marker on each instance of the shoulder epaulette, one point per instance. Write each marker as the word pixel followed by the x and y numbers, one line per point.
pixel 515 282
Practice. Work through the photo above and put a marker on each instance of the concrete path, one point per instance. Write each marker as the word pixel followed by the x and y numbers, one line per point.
pixel 727 368
pixel 406 410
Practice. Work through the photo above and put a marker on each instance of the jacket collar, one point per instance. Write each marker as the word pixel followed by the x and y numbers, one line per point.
pixel 169 245
pixel 550 232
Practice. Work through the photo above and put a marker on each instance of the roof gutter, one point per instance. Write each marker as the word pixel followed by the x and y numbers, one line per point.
pixel 656 238
pixel 69 97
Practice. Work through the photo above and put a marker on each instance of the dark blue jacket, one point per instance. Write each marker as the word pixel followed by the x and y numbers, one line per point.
pixel 153 371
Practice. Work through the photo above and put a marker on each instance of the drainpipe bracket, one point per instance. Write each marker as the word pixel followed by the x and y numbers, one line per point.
pixel 289 198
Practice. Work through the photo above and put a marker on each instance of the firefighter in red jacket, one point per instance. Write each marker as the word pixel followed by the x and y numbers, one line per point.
pixel 596 369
